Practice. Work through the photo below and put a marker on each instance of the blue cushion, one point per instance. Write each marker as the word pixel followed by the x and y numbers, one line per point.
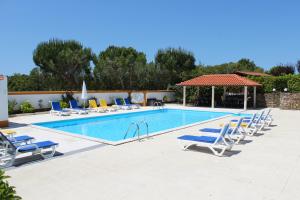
pixel 206 139
pixel 211 130
pixel 73 104
pixel 21 138
pixel 56 106
pixel 119 102
pixel 40 145
pixel 244 121
pixel 127 102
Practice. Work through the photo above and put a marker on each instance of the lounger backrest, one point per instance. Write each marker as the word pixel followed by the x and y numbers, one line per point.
pixel 240 121
pixel 260 117
pixel 267 114
pixel 7 143
pixel 251 120
pixel 73 104
pixel 119 102
pixel 224 131
pixel 92 103
pixel 126 100
pixel 55 106
pixel 103 103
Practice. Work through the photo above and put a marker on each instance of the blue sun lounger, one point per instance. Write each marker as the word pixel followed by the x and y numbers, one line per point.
pixel 18 139
pixel 127 103
pixel 236 132
pixel 9 150
pixel 210 142
pixel 75 108
pixel 120 104
pixel 56 109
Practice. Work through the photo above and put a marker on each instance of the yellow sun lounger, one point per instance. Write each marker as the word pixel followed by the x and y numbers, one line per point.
pixel 93 106
pixel 8 132
pixel 104 105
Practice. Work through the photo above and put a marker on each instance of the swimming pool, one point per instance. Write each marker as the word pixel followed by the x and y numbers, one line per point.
pixel 113 129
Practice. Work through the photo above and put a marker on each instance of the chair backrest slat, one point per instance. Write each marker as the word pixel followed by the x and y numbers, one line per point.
pixel 3 140
pixel 224 131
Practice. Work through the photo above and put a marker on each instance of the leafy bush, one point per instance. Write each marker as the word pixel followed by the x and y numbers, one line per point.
pixel 11 106
pixel 63 104
pixel 291 82
pixel 294 84
pixel 7 192
pixel 26 107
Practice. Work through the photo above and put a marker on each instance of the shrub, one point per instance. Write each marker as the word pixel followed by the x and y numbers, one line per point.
pixel 11 106
pixel 26 107
pixel 7 192
pixel 63 104
pixel 294 84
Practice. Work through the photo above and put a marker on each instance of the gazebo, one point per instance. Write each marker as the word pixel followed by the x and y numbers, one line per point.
pixel 224 80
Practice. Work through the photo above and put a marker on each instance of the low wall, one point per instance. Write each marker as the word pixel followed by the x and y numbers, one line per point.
pixel 290 101
pixel 280 100
pixel 40 99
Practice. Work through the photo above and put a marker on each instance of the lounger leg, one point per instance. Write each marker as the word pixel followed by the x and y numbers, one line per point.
pixel 216 152
pixel 49 155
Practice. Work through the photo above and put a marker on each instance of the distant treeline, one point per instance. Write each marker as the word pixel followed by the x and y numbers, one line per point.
pixel 62 65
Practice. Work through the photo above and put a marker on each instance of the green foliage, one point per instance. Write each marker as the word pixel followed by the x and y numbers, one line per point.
pixel 26 107
pixel 291 82
pixel 120 68
pixel 281 70
pixel 294 84
pixel 172 64
pixel 63 104
pixel 231 67
pixel 66 63
pixel 11 106
pixel 7 192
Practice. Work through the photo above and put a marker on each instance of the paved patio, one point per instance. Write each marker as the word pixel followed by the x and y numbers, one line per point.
pixel 264 167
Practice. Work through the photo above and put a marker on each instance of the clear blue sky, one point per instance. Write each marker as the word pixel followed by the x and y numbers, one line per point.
pixel 216 31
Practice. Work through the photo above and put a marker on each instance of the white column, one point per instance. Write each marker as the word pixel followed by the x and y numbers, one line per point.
pixel 212 96
pixel 184 95
pixel 3 102
pixel 245 97
pixel 254 97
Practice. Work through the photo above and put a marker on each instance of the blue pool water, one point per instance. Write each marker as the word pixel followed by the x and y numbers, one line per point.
pixel 113 127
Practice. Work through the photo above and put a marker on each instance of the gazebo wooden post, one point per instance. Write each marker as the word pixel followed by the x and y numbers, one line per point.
pixel 184 95
pixel 224 93
pixel 254 97
pixel 245 97
pixel 212 96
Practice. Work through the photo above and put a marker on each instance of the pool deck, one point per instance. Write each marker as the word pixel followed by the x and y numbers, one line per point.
pixel 264 167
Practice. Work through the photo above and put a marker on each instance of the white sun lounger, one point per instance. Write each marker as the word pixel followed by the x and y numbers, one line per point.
pixel 213 143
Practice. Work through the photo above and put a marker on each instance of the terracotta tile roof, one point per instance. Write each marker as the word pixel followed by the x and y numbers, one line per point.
pixel 219 80
pixel 1 77
pixel 251 73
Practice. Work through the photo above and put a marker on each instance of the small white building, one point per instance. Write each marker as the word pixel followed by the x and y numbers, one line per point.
pixel 3 102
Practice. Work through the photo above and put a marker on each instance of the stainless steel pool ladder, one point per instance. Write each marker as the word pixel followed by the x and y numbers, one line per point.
pixel 137 128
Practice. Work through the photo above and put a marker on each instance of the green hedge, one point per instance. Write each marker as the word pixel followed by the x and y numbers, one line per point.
pixel 291 82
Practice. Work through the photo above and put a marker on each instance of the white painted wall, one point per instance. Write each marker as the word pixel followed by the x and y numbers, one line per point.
pixel 160 95
pixel 109 97
pixel 3 99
